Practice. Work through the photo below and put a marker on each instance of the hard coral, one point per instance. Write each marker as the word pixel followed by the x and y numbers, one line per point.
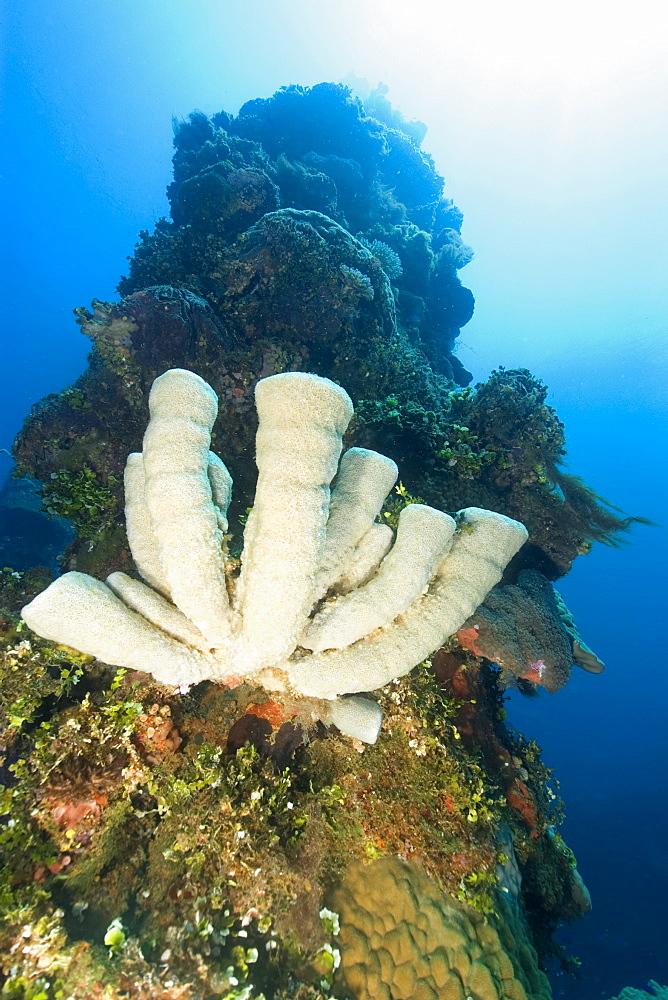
pixel 303 149
pixel 403 938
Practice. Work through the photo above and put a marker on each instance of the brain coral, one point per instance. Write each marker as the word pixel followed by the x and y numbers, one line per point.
pixel 402 938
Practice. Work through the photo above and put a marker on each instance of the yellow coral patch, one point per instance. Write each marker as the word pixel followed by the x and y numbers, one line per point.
pixel 437 948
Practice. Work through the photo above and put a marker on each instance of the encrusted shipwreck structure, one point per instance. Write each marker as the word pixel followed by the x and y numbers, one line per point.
pixel 267 758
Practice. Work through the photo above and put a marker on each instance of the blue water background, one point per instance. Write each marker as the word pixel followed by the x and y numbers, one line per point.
pixel 565 202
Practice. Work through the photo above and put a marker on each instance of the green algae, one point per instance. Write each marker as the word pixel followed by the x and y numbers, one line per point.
pixel 211 855
pixel 82 498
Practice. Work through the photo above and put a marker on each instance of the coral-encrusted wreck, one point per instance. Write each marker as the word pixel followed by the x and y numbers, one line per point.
pixel 189 808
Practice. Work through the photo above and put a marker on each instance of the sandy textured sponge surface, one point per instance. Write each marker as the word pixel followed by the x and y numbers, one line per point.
pixel 402 938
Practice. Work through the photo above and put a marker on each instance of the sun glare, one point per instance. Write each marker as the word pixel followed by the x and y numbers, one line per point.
pixel 572 43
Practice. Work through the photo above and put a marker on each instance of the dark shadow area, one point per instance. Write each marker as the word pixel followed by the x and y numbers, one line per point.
pixel 614 941
pixel 28 536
